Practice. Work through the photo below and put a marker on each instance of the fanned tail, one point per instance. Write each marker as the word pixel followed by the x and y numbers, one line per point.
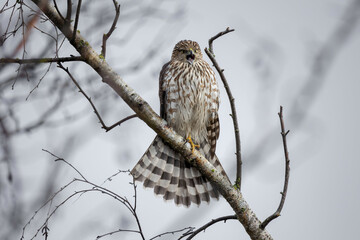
pixel 172 177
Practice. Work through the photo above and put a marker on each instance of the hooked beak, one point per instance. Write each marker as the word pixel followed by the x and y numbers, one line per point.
pixel 190 56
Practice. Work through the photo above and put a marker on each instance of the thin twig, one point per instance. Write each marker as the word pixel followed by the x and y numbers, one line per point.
pixel 77 16
pixel 58 207
pixel 189 230
pixel 211 40
pixel 58 11
pixel 287 172
pixel 213 221
pixel 134 210
pixel 46 203
pixel 41 60
pixel 119 122
pixel 39 82
pixel 211 55
pixel 114 175
pixel 68 12
pixel 79 193
pixel 92 104
pixel 61 159
pixel 113 26
pixel 116 231
pixel 45 116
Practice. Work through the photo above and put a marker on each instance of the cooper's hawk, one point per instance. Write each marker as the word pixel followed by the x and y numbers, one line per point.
pixel 189 102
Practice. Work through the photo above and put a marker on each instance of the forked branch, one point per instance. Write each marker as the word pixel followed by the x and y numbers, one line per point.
pixel 93 105
pixel 211 40
pixel 90 187
pixel 284 133
pixel 112 28
pixel 211 55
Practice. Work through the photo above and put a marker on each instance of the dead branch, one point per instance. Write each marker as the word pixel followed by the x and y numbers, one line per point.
pixel 284 133
pixel 120 122
pixel 41 60
pixel 116 231
pixel 77 16
pixel 211 55
pixel 93 105
pixel 68 12
pixel 61 159
pixel 189 230
pixel 112 28
pixel 204 227
pixel 93 188
pixel 57 9
pixel 211 40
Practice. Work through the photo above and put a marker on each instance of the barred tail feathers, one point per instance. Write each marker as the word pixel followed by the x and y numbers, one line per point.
pixel 172 177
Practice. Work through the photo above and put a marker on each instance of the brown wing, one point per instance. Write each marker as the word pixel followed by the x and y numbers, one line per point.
pixel 213 131
pixel 162 92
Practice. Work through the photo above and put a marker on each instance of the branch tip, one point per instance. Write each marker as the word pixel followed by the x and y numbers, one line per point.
pixel 210 52
pixel 287 173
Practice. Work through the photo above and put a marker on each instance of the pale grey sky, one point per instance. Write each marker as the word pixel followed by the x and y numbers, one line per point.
pixel 267 61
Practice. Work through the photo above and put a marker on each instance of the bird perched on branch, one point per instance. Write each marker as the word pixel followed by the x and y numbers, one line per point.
pixel 189 102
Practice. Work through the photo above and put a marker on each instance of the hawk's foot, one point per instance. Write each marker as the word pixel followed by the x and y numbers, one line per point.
pixel 193 146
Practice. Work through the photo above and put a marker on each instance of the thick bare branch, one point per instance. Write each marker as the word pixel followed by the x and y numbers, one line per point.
pixel 245 215
pixel 211 55
pixel 287 172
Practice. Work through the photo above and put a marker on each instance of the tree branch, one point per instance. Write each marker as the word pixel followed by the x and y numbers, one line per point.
pixel 68 12
pixel 213 221
pixel 287 172
pixel 113 26
pixel 57 9
pixel 41 60
pixel 93 188
pixel 245 215
pixel 189 229
pixel 93 105
pixel 211 40
pixel 211 55
pixel 77 16
pixel 61 159
pixel 116 231
pixel 120 122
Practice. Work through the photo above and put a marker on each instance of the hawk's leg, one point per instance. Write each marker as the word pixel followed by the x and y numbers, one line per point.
pixel 193 146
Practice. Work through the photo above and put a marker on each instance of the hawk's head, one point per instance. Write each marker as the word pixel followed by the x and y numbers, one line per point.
pixel 186 51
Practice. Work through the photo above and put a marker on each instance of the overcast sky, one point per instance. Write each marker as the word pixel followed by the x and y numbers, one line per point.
pixel 268 62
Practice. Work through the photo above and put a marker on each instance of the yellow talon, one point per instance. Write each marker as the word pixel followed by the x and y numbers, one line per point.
pixel 193 146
